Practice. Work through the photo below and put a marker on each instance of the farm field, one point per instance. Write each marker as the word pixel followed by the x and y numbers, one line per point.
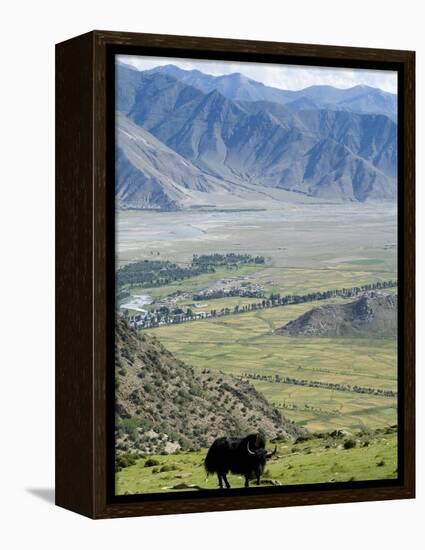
pixel 318 460
pixel 246 343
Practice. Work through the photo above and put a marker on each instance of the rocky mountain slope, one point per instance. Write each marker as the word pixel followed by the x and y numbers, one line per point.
pixel 371 315
pixel 321 153
pixel 163 404
pixel 151 175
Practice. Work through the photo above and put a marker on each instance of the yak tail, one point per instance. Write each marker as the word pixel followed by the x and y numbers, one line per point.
pixel 209 463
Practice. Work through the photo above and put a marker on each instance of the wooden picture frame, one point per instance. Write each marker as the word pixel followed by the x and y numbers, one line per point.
pixel 84 256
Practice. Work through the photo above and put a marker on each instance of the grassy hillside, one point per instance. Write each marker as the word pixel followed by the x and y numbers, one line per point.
pixel 321 458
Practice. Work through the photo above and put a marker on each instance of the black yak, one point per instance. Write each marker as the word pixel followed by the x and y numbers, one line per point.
pixel 245 456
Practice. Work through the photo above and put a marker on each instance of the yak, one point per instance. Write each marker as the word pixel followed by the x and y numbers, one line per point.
pixel 244 456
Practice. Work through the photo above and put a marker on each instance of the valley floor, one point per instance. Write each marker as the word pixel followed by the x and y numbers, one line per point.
pixel 246 345
pixel 308 248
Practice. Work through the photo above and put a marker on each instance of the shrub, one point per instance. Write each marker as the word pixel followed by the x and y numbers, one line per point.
pixel 128 354
pixel 124 461
pixel 349 443
pixel 136 397
pixel 168 468
pixel 381 463
pixel 302 438
pixel 151 462
pixel 129 426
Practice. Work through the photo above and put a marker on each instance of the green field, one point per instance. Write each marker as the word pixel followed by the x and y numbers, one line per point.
pixel 246 343
pixel 317 460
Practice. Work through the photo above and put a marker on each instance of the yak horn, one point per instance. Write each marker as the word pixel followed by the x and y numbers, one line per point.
pixel 249 450
pixel 269 455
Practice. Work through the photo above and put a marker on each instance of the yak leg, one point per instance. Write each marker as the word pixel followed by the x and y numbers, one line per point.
pixel 246 482
pixel 226 482
pixel 220 481
pixel 257 476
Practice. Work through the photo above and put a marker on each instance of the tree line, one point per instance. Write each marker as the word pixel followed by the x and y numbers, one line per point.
pixel 226 259
pixel 277 379
pixel 154 273
pixel 165 316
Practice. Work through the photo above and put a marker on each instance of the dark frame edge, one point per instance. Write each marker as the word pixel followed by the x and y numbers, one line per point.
pixel 409 182
pixel 231 503
pixel 74 380
pixel 214 44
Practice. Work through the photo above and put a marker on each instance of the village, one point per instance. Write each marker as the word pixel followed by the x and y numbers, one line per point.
pixel 168 311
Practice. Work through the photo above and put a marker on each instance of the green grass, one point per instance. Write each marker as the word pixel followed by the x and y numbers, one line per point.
pixel 243 343
pixel 370 261
pixel 314 461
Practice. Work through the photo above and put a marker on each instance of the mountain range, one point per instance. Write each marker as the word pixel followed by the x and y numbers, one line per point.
pixel 237 87
pixel 185 139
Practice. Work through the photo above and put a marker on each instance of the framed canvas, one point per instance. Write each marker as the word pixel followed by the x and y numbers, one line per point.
pixel 235 274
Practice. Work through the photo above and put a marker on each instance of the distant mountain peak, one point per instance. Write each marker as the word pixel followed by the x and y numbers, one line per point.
pixel 237 76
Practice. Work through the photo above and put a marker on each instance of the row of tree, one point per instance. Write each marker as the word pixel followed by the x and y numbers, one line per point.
pixel 227 259
pixel 277 379
pixel 153 273
pixel 165 316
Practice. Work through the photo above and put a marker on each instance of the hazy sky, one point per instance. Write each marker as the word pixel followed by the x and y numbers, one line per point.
pixel 287 77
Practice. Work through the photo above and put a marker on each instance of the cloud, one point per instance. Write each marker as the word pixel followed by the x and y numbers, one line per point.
pixel 287 77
